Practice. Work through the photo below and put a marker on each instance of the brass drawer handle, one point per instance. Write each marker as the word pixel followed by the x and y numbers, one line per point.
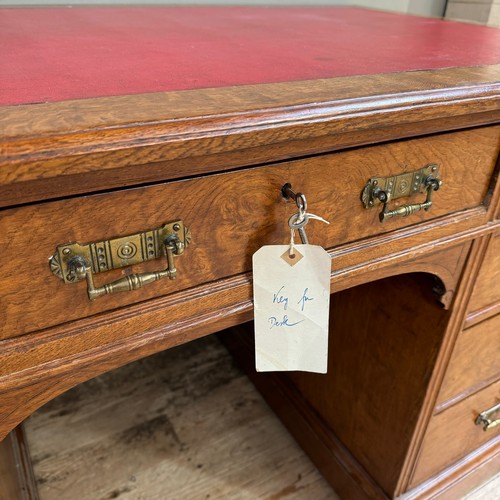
pixel 384 189
pixel 485 418
pixel 73 262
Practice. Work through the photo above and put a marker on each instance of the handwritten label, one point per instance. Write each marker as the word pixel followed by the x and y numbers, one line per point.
pixel 291 303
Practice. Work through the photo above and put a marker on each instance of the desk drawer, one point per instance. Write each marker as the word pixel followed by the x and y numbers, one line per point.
pixel 453 433
pixel 487 288
pixel 475 361
pixel 230 216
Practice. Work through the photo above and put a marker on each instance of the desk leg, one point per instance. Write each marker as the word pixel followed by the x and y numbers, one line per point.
pixel 17 481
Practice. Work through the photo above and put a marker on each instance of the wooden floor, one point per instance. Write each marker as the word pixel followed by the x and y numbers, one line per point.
pixel 184 424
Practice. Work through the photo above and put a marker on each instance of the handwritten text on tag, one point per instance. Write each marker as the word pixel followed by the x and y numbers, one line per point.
pixel 291 308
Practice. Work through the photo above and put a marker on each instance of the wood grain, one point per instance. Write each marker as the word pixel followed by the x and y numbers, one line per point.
pixel 40 366
pixel 173 410
pixel 446 349
pixel 10 489
pixel 333 396
pixel 474 363
pixel 17 480
pixel 462 479
pixel 182 424
pixel 480 314
pixel 230 215
pixel 346 475
pixel 81 146
pixel 487 288
pixel 217 158
pixel 341 469
pixel 452 434
pixel 79 353
pixel 381 357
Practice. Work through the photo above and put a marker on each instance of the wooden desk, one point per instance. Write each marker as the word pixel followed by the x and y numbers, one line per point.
pixel 166 118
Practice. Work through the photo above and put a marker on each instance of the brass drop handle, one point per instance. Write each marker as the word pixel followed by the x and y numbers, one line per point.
pixel 73 262
pixel 82 269
pixel 485 418
pixel 384 189
pixel 432 185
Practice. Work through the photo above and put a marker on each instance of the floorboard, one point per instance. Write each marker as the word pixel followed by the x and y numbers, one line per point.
pixel 183 424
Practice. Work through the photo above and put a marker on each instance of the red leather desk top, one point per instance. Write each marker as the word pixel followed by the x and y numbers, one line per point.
pixel 54 54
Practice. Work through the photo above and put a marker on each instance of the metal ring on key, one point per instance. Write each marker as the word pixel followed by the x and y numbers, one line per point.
pixel 298 225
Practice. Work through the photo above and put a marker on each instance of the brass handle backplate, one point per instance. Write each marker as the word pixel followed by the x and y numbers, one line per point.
pixel 485 418
pixel 73 262
pixel 381 190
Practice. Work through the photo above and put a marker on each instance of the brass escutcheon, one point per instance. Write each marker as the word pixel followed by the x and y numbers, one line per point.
pixel 73 262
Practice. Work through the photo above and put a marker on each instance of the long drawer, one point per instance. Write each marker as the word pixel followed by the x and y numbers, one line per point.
pixel 453 433
pixel 230 216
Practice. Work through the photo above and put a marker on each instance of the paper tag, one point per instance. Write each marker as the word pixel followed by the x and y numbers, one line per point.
pixel 291 301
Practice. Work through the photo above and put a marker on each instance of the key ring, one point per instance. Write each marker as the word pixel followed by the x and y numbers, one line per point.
pixel 294 221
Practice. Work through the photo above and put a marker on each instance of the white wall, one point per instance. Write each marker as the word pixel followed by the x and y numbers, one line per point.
pixel 476 11
pixel 420 7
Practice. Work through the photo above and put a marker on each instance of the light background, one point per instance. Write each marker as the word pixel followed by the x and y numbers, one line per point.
pixel 422 7
pixel 476 11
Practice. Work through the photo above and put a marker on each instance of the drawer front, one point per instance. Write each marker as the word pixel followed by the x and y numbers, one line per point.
pixel 487 288
pixel 230 216
pixel 453 434
pixel 475 361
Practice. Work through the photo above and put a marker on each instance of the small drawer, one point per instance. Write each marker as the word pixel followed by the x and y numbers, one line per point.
pixel 474 363
pixel 487 288
pixel 453 433
pixel 230 216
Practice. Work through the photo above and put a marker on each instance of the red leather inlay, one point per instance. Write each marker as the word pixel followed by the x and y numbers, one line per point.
pixel 54 54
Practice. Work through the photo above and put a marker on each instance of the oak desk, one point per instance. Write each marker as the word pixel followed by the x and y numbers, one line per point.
pixel 139 140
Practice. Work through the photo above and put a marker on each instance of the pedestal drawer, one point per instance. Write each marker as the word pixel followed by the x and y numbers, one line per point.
pixel 230 216
pixel 487 288
pixel 475 362
pixel 453 433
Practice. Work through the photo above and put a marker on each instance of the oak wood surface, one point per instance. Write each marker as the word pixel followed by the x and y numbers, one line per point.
pixel 480 314
pixel 383 345
pixel 346 475
pixel 487 287
pixel 21 354
pixel 458 475
pixel 81 146
pixel 439 370
pixel 17 480
pixel 230 216
pixel 334 461
pixel 79 353
pixel 148 425
pixel 10 489
pixel 38 367
pixel 461 478
pixel 84 147
pixel 474 363
pixel 452 434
